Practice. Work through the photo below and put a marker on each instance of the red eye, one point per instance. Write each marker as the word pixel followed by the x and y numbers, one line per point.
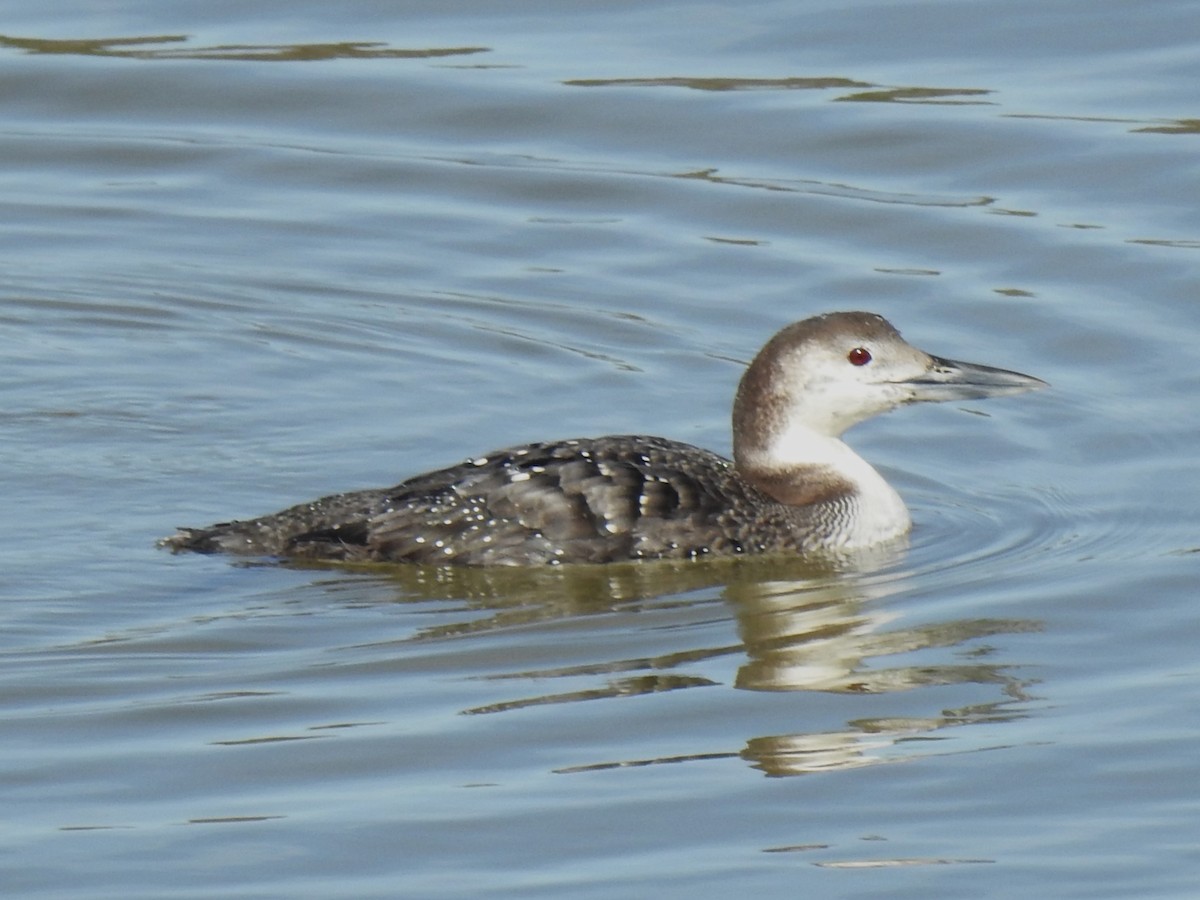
pixel 859 356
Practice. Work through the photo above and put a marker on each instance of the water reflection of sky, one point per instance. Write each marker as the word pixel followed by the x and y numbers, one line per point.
pixel 254 258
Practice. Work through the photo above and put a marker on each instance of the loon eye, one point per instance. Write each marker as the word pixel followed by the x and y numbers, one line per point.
pixel 859 356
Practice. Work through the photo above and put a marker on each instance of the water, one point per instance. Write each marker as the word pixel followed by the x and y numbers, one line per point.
pixel 251 259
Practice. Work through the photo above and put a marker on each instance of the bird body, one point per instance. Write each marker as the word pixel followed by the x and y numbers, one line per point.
pixel 793 486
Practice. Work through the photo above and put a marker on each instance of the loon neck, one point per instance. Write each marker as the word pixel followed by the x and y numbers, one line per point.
pixel 803 468
pixel 797 458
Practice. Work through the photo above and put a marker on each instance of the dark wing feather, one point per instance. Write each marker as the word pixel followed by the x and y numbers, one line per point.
pixel 588 500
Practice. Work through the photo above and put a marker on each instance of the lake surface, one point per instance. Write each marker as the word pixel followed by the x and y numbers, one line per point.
pixel 251 257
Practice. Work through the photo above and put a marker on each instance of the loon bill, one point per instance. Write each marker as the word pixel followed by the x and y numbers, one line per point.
pixel 792 486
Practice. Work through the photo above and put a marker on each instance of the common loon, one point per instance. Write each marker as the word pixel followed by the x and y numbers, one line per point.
pixel 793 486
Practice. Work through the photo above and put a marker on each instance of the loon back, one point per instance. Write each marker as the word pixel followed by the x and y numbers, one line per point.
pixel 584 500
pixel 793 485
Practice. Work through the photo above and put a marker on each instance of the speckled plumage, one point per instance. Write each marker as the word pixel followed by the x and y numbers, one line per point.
pixel 585 500
pixel 793 485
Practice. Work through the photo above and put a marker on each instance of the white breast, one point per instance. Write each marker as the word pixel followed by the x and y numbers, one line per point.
pixel 876 511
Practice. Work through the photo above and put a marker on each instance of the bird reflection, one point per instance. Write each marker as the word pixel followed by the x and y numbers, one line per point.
pixel 868 742
pixel 800 629
pixel 822 638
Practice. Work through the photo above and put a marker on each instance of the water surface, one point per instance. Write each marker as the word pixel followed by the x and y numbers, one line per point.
pixel 252 259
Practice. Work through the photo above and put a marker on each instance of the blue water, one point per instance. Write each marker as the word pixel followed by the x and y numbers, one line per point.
pixel 252 258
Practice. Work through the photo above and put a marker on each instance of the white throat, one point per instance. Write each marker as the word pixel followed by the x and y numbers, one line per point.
pixel 877 513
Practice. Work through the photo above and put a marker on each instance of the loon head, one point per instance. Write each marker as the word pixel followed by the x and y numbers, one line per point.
pixel 820 376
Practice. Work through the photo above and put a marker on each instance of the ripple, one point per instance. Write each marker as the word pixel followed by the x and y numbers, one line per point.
pixel 1004 529
pixel 143 47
